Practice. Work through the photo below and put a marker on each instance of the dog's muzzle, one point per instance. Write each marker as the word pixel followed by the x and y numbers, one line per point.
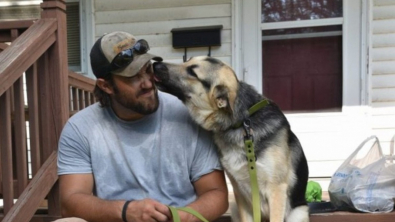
pixel 161 72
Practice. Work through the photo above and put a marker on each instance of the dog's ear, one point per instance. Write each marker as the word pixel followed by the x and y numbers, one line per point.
pixel 221 96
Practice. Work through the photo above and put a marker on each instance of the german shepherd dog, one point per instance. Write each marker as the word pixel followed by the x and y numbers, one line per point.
pixel 218 101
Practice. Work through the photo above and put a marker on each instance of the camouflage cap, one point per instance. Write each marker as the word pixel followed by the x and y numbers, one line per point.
pixel 108 46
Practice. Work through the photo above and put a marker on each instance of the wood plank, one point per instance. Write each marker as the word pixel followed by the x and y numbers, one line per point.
pixel 383 54
pixel 132 15
pixel 25 51
pixel 39 218
pixel 383 2
pixel 35 192
pixel 383 104
pixel 383 95
pixel 3 46
pixel 170 53
pixel 20 135
pixel 105 5
pixel 161 27
pixel 93 99
pixel 58 96
pixel 81 104
pixel 178 60
pixel 383 40
pixel 6 151
pixel 384 12
pixel 353 217
pixel 383 26
pixel 18 24
pixel 14 34
pixel 81 82
pixel 383 67
pixel 86 99
pixel 32 98
pixel 74 92
pixel 383 81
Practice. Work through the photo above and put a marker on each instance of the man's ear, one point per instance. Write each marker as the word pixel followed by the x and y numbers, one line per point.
pixel 221 97
pixel 105 86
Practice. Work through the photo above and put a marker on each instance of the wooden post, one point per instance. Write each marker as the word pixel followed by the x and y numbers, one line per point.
pixel 6 150
pixel 54 91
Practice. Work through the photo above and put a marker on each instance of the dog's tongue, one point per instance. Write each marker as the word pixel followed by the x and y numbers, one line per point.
pixel 157 79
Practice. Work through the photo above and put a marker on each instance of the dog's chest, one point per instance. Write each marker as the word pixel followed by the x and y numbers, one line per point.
pixel 233 157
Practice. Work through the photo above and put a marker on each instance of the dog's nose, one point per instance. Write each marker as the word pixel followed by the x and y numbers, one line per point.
pixel 160 68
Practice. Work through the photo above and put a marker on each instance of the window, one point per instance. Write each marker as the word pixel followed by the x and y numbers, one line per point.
pixel 302 54
pixel 73 36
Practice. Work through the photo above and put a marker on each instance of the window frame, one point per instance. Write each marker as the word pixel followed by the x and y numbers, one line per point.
pixel 87 30
pixel 247 56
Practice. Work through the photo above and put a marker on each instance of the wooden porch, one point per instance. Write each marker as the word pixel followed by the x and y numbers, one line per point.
pixel 37 87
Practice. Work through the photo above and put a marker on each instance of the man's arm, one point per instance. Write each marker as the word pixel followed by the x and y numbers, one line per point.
pixel 212 199
pixel 77 200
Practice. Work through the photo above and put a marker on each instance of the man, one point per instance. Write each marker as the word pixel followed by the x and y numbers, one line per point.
pixel 137 151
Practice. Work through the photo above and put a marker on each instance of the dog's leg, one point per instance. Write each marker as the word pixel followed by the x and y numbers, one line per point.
pixel 277 201
pixel 242 214
pixel 299 214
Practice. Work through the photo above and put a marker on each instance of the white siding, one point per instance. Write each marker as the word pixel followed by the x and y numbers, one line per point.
pixel 383 71
pixel 153 20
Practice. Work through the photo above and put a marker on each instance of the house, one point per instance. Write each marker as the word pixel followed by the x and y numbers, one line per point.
pixel 329 64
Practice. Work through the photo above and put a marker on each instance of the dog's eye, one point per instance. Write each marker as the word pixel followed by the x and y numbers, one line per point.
pixel 191 72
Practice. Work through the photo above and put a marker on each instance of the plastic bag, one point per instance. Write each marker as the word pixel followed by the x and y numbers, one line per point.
pixel 364 183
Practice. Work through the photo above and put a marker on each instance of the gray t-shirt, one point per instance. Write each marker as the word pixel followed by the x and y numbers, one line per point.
pixel 158 156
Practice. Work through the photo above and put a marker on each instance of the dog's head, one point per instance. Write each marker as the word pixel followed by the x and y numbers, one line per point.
pixel 204 84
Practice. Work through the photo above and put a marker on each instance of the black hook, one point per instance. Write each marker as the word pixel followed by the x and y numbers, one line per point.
pixel 185 55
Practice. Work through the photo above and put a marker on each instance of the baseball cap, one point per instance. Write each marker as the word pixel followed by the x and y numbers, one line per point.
pixel 108 46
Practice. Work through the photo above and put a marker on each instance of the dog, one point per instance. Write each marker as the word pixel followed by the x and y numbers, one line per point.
pixel 219 102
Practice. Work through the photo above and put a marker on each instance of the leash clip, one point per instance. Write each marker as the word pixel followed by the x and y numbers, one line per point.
pixel 247 129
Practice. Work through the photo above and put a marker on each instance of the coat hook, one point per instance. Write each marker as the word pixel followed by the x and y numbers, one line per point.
pixel 185 55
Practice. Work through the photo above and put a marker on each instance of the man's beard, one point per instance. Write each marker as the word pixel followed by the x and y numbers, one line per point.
pixel 144 108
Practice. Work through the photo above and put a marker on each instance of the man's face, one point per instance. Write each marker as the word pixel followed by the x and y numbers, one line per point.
pixel 137 93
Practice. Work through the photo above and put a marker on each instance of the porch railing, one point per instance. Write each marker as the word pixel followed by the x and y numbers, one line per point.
pixel 37 50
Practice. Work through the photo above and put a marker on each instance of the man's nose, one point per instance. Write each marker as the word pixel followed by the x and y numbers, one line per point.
pixel 148 80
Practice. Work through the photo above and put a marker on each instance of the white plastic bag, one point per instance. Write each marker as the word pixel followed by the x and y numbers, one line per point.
pixel 364 183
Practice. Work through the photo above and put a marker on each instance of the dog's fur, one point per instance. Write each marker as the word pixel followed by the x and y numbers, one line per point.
pixel 217 101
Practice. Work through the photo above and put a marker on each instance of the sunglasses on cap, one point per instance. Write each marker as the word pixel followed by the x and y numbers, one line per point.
pixel 125 57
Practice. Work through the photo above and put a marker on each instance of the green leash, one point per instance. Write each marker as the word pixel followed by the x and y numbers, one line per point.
pixel 176 217
pixel 251 158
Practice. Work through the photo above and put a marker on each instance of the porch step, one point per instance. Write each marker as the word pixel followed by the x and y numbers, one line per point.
pixel 339 216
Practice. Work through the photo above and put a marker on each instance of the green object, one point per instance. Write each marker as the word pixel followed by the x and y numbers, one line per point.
pixel 256 203
pixel 313 192
pixel 176 216
pixel 260 105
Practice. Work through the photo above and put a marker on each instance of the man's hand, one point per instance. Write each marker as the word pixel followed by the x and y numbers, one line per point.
pixel 147 210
